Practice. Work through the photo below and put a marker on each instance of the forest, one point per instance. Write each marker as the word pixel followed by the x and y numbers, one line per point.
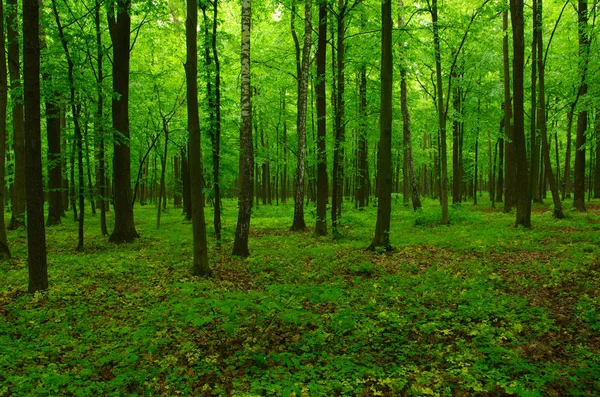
pixel 299 198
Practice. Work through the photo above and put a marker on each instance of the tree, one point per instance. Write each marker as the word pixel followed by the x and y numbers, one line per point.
pixel 240 245
pixel 19 189
pixel 99 124
pixel 4 249
pixel 508 166
pixel 119 28
pixel 522 181
pixel 582 116
pixel 322 182
pixel 384 159
pixel 36 234
pixel 541 118
pixel 410 180
pixel 298 223
pixel 201 267
pixel 75 110
pixel 441 114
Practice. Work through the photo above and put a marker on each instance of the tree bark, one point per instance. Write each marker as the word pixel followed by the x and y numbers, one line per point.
pixel 100 154
pixel 240 245
pixel 441 116
pixel 523 192
pixel 509 155
pixel 36 234
pixel 19 189
pixel 298 223
pixel 384 158
pixel 597 172
pixel 409 163
pixel 200 265
pixel 322 180
pixel 340 126
pixel 4 249
pixel 541 116
pixel 584 44
pixel 119 27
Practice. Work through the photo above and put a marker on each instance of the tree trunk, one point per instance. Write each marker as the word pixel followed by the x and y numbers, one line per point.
pixel 456 168
pixel 340 127
pixel 19 190
pixel 36 234
pixel 100 153
pixel 584 44
pixel 200 266
pixel 441 116
pixel 523 193
pixel 362 150
pixel 76 111
pixel 162 197
pixel 409 163
pixel 4 250
pixel 298 223
pixel 119 27
pixel 322 180
pixel 240 245
pixel 597 172
pixel 534 142
pixel 509 155
pixel 185 181
pixel 384 159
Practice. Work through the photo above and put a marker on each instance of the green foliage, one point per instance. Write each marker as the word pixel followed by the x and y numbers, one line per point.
pixel 476 308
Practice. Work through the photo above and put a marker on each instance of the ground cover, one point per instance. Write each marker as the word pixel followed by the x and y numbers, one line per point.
pixel 476 308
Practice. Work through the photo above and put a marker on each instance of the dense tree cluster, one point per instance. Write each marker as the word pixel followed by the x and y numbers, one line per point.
pixel 326 103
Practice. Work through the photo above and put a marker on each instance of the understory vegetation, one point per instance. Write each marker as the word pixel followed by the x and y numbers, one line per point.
pixel 475 308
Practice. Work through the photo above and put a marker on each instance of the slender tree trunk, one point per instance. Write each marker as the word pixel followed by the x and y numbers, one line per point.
pixel 19 191
pixel 384 160
pixel 409 163
pixel 240 245
pixel 298 223
pixel 340 127
pixel 162 197
pixel 541 116
pixel 362 150
pixel 509 168
pixel 4 249
pixel 441 116
pixel 100 154
pixel 119 27
pixel 490 166
pixel 200 266
pixel 597 173
pixel 582 116
pixel 456 168
pixel 322 180
pixel 534 142
pixel 284 177
pixel 76 111
pixel 185 181
pixel 523 192
pixel 88 166
pixel 36 234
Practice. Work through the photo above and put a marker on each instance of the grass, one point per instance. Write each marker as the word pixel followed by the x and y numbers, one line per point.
pixel 476 308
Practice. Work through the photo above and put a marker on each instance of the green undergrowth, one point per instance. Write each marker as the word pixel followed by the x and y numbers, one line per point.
pixel 477 308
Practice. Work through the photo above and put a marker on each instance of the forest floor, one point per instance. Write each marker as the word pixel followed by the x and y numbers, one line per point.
pixel 478 308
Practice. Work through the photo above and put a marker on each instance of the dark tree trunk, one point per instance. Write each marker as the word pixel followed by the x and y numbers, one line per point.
pixel 384 158
pixel 298 223
pixel 162 196
pixel 340 127
pixel 185 181
pixel 597 172
pixel 534 142
pixel 582 116
pixel 362 151
pixel 55 209
pixel 508 168
pixel 4 250
pixel 19 189
pixel 200 266
pixel 240 245
pixel 456 150
pixel 322 180
pixel 100 153
pixel 119 27
pixel 36 234
pixel 214 105
pixel 177 181
pixel 409 164
pixel 441 116
pixel 88 166
pixel 541 116
pixel 284 178
pixel 76 111
pixel 523 193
